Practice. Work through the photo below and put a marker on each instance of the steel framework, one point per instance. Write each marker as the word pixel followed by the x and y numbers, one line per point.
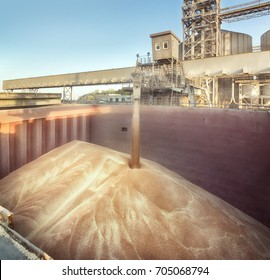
pixel 201 29
pixel 202 24
pixel 160 79
pixel 67 94
pixel 245 11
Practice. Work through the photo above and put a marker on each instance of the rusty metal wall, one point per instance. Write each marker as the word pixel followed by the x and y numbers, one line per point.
pixel 224 151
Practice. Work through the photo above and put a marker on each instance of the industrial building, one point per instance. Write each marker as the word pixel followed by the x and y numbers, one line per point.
pixel 245 87
pixel 176 74
pixel 216 68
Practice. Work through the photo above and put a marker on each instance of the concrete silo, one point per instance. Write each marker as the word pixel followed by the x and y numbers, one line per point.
pixel 235 43
pixel 265 41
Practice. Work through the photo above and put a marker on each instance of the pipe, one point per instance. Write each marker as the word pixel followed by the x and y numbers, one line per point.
pixel 135 139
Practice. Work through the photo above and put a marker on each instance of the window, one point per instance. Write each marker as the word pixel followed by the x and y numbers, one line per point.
pixel 157 46
pixel 165 45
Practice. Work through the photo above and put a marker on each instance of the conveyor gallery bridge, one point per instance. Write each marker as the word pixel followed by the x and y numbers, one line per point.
pixel 67 81
pixel 245 11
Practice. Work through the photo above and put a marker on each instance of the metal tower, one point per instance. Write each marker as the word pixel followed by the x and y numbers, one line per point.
pixel 201 29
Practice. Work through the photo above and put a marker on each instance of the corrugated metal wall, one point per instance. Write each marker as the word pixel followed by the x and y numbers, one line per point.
pixel 26 135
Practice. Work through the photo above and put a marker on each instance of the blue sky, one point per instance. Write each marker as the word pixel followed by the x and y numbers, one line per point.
pixel 64 36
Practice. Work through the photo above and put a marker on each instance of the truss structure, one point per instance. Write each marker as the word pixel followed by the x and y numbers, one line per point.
pixel 201 29
pixel 245 11
pixel 250 93
pixel 67 94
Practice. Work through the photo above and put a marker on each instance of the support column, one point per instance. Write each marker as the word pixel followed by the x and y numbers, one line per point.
pixel 33 90
pixel 67 94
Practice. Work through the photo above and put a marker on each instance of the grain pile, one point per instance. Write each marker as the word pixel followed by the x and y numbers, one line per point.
pixel 82 201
